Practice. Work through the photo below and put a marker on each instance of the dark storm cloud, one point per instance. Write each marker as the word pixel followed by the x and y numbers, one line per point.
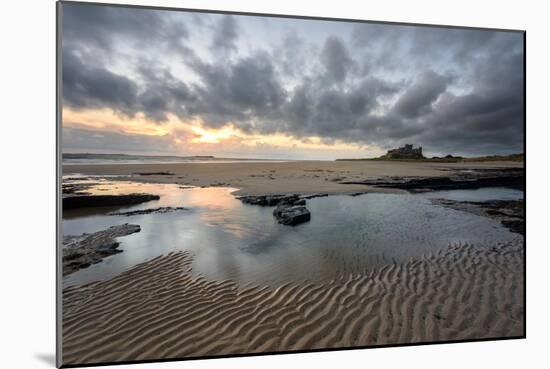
pixel 332 112
pixel 162 94
pixel 450 90
pixel 290 55
pixel 96 26
pixel 336 60
pixel 458 45
pixel 90 35
pixel 388 45
pixel 237 92
pixel 225 35
pixel 418 99
pixel 89 86
pixel 490 118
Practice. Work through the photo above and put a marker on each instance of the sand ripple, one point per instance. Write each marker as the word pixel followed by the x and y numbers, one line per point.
pixel 158 309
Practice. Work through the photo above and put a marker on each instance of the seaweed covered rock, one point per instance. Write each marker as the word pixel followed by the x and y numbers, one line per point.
pixel 90 201
pixel 87 249
pixel 292 215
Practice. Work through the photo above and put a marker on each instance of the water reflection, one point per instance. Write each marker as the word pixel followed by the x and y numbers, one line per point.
pixel 231 240
pixel 479 194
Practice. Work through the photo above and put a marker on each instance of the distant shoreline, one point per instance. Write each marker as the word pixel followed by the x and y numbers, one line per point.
pixel 137 162
pixel 126 159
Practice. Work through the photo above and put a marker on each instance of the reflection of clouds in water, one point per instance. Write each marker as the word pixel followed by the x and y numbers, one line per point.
pixel 231 240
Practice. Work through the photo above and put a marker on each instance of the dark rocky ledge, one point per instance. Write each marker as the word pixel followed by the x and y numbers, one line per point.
pixel 274 200
pixel 90 201
pixel 472 179
pixel 87 249
pixel 154 173
pixel 510 213
pixel 161 210
pixel 269 200
pixel 313 195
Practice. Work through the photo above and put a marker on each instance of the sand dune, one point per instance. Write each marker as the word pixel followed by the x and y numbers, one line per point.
pixel 159 309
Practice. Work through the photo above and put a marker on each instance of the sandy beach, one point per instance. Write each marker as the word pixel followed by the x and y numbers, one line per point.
pixel 163 308
pixel 159 310
pixel 282 177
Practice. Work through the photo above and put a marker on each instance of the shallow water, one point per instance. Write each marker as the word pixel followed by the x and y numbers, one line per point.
pixel 231 240
pixel 480 194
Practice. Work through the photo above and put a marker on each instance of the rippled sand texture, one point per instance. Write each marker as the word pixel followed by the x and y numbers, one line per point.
pixel 158 309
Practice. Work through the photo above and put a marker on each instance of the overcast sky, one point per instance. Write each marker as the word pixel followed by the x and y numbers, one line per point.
pixel 163 82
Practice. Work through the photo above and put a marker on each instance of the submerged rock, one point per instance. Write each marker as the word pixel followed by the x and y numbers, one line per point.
pixel 87 249
pixel 292 215
pixel 90 201
pixel 161 210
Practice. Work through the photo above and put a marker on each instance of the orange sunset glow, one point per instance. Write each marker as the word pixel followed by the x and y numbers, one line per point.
pixel 192 136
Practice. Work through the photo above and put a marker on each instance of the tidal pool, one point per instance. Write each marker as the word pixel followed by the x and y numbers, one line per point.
pixel 231 240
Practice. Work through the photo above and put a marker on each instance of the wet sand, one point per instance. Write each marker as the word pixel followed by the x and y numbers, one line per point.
pixel 158 309
pixel 282 177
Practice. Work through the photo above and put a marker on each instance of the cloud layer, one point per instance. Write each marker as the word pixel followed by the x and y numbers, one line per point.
pixel 372 85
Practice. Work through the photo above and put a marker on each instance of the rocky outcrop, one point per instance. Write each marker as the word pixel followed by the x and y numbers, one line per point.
pixel 269 200
pixel 473 179
pixel 291 214
pixel 87 249
pixel 161 210
pixel 91 201
pixel 290 209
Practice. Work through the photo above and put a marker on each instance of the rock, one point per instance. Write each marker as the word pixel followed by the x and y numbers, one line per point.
pixel 313 195
pixel 154 174
pixel 290 209
pixel 292 215
pixel 161 210
pixel 87 249
pixel 269 200
pixel 279 209
pixel 90 201
pixel 504 177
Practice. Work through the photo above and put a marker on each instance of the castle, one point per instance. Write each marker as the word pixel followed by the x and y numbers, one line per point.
pixel 405 152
